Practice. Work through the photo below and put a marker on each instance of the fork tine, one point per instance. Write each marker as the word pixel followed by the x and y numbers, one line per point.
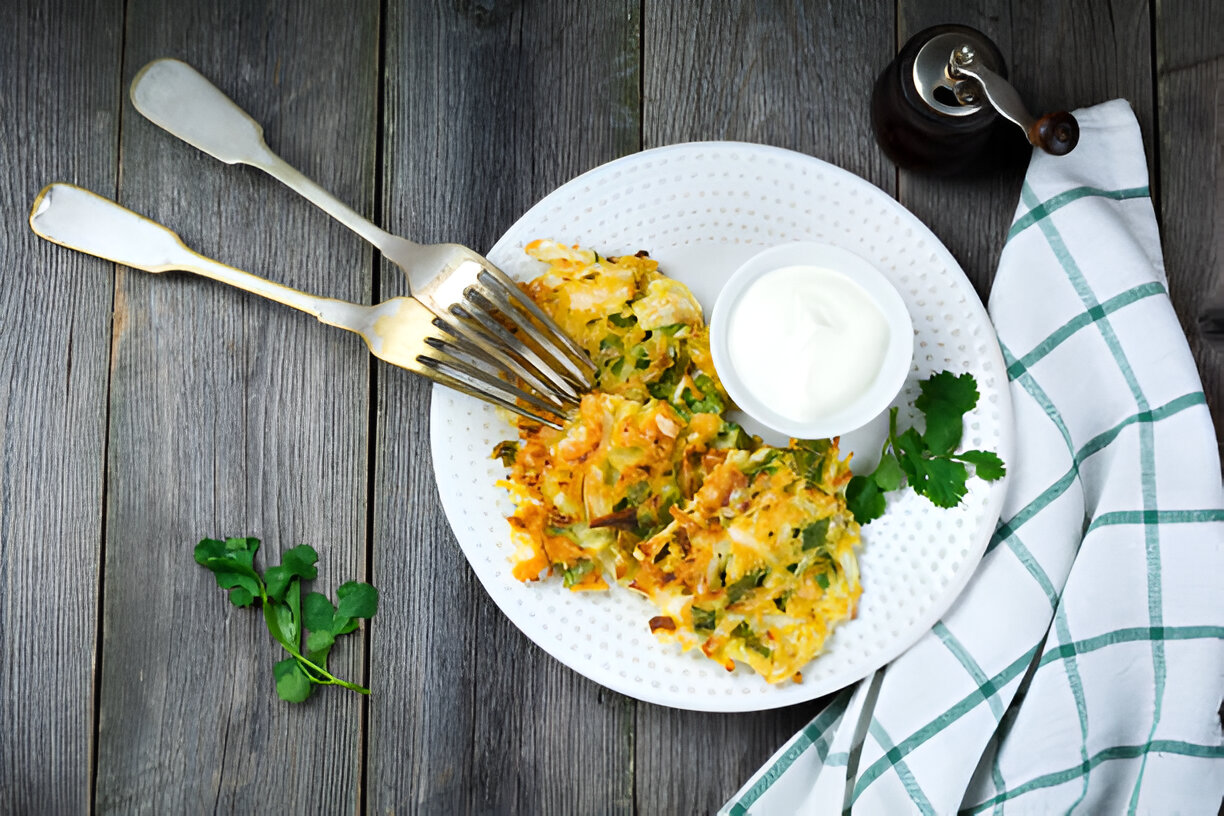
pixel 496 287
pixel 558 403
pixel 445 367
pixel 479 313
pixel 527 339
pixel 466 334
pixel 442 378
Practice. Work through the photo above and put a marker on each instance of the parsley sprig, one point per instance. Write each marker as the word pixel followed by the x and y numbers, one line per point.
pixel 927 462
pixel 288 615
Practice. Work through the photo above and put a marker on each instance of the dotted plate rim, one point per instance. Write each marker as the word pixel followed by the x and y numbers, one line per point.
pixel 739 188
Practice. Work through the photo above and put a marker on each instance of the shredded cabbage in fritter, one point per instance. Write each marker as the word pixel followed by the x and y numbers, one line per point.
pixel 747 550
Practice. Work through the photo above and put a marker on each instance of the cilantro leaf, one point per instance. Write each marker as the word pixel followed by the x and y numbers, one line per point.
pixel 864 499
pixel 281 625
pixel 958 391
pixel 241 596
pixel 317 612
pixel 318 616
pixel 292 683
pixel 986 465
pixel 926 461
pixel 945 482
pixel 298 562
pixel 326 622
pixel 888 475
pixel 945 400
pixel 318 642
pixel 286 614
pixel 908 449
pixel 357 600
pixel 293 599
pixel 231 564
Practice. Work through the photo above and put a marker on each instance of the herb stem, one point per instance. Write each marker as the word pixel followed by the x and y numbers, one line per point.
pixel 321 675
pixel 329 678
pixel 286 613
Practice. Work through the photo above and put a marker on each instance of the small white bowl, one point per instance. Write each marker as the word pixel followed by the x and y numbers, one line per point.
pixel 896 359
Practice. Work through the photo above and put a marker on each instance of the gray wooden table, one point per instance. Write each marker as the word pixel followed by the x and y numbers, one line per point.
pixel 138 414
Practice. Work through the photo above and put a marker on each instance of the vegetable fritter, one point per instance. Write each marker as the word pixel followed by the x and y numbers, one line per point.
pixel 747 550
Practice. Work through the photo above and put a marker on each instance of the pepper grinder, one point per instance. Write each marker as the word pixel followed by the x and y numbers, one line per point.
pixel 935 107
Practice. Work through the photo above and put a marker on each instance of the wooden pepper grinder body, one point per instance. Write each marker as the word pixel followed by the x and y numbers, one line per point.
pixel 938 105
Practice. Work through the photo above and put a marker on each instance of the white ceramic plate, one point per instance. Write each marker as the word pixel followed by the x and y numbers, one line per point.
pixel 701 209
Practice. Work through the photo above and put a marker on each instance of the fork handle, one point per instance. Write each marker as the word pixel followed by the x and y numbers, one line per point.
pixel 78 219
pixel 176 97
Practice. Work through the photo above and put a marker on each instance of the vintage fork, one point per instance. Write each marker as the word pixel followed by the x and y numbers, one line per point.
pixel 471 295
pixel 400 330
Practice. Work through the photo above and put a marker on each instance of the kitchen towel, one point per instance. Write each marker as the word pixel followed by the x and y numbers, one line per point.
pixel 1082 669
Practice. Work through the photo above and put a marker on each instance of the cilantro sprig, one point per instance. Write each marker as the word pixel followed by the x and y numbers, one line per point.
pixel 289 615
pixel 927 461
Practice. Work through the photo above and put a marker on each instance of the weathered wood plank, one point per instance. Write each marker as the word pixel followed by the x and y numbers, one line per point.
pixel 60 122
pixel 489 106
pixel 231 415
pixel 1059 56
pixel 795 75
pixel 1190 90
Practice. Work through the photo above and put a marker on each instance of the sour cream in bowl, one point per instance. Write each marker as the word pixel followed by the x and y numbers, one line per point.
pixel 811 340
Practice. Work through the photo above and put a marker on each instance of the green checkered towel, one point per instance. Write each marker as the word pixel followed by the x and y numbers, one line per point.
pixel 1083 667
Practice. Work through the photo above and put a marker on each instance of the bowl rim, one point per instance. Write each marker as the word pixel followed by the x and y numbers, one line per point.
pixel 898 356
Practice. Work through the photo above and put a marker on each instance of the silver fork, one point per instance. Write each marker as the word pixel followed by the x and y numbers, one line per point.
pixel 462 288
pixel 400 330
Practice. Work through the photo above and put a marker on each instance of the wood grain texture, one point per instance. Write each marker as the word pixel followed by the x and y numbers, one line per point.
pixel 793 75
pixel 235 416
pixel 1190 87
pixel 489 106
pixel 228 415
pixel 60 122
pixel 1060 56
